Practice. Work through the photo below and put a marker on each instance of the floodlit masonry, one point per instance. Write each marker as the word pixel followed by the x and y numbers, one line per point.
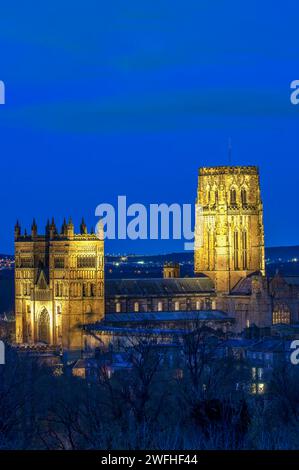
pixel 59 284
pixel 231 225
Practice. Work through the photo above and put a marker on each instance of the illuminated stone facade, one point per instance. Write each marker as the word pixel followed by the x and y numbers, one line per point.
pixel 229 229
pixel 159 295
pixel 59 284
pixel 59 278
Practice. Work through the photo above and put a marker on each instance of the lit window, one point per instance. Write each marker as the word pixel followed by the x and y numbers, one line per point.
pixel 118 307
pixel 281 314
pixel 160 306
pixel 260 388
pixel 177 305
pixel 136 307
pixel 253 372
pixel 198 305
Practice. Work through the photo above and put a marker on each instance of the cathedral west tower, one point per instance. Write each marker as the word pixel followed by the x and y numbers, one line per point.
pixel 229 242
pixel 59 284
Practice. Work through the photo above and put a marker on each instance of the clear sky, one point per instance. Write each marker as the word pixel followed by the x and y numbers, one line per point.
pixel 130 97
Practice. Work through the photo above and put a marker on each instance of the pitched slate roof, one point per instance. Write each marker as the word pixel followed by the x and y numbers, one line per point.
pixel 244 286
pixel 157 287
pixel 137 330
pixel 200 315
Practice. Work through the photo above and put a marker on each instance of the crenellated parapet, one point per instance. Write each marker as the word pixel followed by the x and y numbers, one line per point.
pixel 66 232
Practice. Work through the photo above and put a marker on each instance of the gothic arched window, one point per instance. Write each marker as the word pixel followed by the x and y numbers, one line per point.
pixel 236 250
pixel 233 197
pixel 244 249
pixel 244 196
pixel 44 326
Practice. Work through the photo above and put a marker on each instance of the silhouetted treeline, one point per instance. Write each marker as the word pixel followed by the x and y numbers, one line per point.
pixel 205 405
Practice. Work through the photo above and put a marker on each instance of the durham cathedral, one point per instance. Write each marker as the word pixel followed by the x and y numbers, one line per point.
pixel 60 290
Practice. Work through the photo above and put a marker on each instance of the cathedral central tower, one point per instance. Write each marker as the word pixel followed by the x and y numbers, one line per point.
pixel 231 226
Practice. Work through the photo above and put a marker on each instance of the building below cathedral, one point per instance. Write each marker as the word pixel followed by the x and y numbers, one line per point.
pixel 61 296
pixel 164 328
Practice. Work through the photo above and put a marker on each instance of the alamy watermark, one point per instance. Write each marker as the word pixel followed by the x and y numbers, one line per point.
pixel 2 353
pixel 153 222
pixel 2 92
pixel 294 357
pixel 295 92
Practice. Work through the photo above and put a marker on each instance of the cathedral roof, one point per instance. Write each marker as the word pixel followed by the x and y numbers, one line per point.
pixel 158 287
pixel 159 321
pixel 243 287
pixel 180 316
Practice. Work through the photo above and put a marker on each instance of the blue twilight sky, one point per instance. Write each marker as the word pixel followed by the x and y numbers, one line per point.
pixel 130 97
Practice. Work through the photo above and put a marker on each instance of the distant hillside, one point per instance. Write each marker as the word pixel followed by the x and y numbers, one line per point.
pixel 273 254
pixel 282 253
pixel 184 257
